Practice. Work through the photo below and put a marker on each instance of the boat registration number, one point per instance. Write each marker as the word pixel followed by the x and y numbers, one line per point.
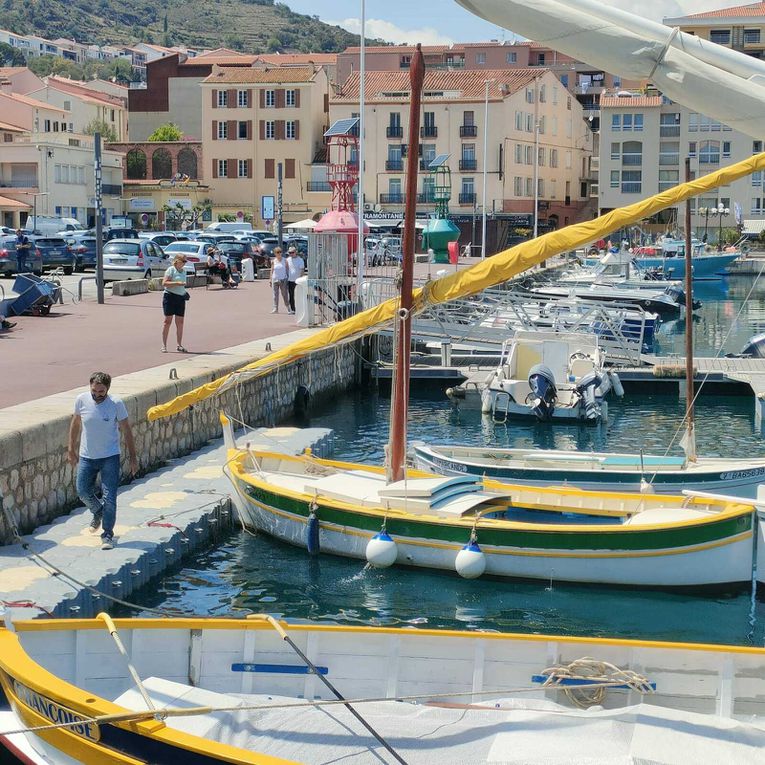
pixel 735 475
pixel 56 713
pixel 444 465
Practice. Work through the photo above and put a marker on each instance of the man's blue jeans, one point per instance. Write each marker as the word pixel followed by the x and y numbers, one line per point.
pixel 87 471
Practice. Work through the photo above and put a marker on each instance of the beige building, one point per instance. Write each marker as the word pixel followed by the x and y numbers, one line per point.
pixel 21 79
pixel 255 119
pixel 535 129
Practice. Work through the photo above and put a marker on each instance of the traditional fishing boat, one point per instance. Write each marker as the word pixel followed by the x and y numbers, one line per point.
pixel 255 690
pixel 604 471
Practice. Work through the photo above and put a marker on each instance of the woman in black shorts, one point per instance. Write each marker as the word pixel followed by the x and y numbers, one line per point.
pixel 174 301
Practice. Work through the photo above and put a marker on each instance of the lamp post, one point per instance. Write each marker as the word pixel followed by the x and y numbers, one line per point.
pixel 720 212
pixel 485 152
pixel 34 195
pixel 705 211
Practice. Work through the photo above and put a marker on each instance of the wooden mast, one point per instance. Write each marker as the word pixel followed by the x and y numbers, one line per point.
pixel 400 392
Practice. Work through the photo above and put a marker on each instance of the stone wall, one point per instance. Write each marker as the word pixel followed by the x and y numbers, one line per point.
pixel 37 482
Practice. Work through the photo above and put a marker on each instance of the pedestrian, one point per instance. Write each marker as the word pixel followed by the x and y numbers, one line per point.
pixel 96 424
pixel 4 323
pixel 174 301
pixel 217 265
pixel 279 280
pixel 22 250
pixel 295 269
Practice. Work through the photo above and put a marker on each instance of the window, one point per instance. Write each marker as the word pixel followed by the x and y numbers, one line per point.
pixel 222 130
pixel 529 95
pixel 668 179
pixel 529 123
pixel 529 155
pixel 222 168
pixel 669 153
pixel 269 168
pixel 616 150
pixel 468 186
pixel 518 186
pixel 693 122
pixel 68 106
pixel 428 153
pixel 480 58
pixel 632 153
pixel 270 99
pixel 290 130
pixel 511 57
pixel 290 99
pixel 757 179
pixel 541 125
pixel 518 154
pixel 757 205
pixel 614 179
pixel 112 116
pixel 709 153
pixel 541 156
pixel 289 168
pixel 529 188
pixel 394 190
pixel 242 168
pixel 242 98
pixel 756 147
pixel 270 130
pixel 616 122
pixel 542 94
pixel 632 181
pixel 47 126
pixel 627 122
pixel 617 82
pixel 751 37
pixel 564 80
pixel 555 95
pixel 519 120
pixel 692 149
pixel 555 126
pixel 553 158
pixel 720 36
pixel 540 187
pixel 669 125
pixel 726 149
pixel 637 124
pixel 468 118
pixel 468 151
pixel 222 98
pixel 242 131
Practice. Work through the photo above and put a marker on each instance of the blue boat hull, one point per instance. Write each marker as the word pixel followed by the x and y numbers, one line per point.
pixel 712 266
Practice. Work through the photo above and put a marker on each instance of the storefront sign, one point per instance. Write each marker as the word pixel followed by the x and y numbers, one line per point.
pixel 141 203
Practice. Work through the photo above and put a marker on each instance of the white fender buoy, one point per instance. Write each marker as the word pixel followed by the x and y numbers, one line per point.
pixel 471 561
pixel 381 550
pixel 617 384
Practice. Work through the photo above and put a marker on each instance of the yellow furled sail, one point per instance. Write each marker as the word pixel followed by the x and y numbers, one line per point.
pixel 488 273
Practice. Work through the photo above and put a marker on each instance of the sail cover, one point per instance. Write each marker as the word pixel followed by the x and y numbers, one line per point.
pixel 713 80
pixel 495 270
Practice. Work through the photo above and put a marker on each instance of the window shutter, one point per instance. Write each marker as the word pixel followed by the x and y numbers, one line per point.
pixel 231 164
pixel 262 98
pixel 232 131
pixel 279 96
pixel 215 168
pixel 262 130
pixel 289 168
pixel 249 130
pixel 215 99
pixel 269 169
pixel 279 130
pixel 297 98
pixel 297 129
pixel 326 103
pixel 232 99
pixel 249 168
pixel 215 130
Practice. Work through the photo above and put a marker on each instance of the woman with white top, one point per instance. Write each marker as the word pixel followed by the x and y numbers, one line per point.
pixel 174 301
pixel 279 280
pixel 295 269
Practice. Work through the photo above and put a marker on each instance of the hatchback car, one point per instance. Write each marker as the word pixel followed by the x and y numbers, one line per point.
pixel 195 252
pixel 84 250
pixel 55 252
pixel 8 262
pixel 133 259
pixel 236 251
pixel 162 238
pixel 268 245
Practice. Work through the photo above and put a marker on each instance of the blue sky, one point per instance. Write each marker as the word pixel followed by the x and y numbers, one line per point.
pixel 443 21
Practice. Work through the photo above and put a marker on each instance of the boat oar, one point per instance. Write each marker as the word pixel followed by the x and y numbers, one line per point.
pixel 291 643
pixel 110 625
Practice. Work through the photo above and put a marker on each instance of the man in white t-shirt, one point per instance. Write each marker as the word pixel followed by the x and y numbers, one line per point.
pixel 100 418
pixel 295 269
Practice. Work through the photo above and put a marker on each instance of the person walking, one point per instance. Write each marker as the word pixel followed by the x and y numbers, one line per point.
pixel 295 269
pixel 96 425
pixel 279 276
pixel 23 247
pixel 174 301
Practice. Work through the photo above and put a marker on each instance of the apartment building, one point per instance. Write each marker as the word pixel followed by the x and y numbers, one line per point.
pixel 740 27
pixel 644 140
pixel 255 119
pixel 535 130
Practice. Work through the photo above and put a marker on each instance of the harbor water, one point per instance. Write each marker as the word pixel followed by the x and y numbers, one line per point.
pixel 255 573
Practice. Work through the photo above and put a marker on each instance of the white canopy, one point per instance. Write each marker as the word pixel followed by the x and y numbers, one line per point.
pixel 713 80
pixel 305 225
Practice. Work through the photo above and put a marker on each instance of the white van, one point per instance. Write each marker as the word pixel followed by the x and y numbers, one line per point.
pixel 52 224
pixel 226 227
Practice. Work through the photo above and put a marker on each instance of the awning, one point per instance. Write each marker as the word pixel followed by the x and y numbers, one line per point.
pixel 307 225
pixel 753 226
pixel 13 204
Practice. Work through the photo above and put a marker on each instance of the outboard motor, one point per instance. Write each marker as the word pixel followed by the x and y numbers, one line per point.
pixel 586 389
pixel 543 394
pixel 755 348
pixel 678 295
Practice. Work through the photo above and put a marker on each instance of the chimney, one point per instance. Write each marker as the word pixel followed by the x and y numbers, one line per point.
pixel 6 86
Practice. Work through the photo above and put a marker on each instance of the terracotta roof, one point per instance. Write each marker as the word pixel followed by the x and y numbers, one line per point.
pixel 33 102
pixel 469 82
pixel 628 103
pixel 398 49
pixel 8 71
pixel 218 52
pixel 247 74
pixel 12 128
pixel 738 11
pixel 87 94
pixel 279 59
pixel 14 203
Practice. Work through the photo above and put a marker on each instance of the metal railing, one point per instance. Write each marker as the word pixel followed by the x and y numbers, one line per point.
pixel 467 197
pixel 318 186
pixel 468 165
pixel 428 131
pixel 468 131
pixel 394 165
pixel 394 131
pixel 391 199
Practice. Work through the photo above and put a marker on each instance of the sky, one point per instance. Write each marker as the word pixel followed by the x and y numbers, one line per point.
pixel 440 22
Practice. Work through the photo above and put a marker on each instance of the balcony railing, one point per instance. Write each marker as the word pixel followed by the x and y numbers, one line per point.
pixel 394 131
pixel 394 165
pixel 111 189
pixel 631 188
pixel 426 198
pixel 467 197
pixel 669 131
pixel 669 159
pixel 632 159
pixel 391 199
pixel 468 131
pixel 31 183
pixel 318 186
pixel 428 131
pixel 468 165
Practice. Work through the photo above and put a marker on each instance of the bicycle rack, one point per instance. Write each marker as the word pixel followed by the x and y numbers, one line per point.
pixel 79 286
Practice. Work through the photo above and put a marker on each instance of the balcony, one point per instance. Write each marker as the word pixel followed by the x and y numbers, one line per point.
pixel 468 131
pixel 467 197
pixel 394 131
pixel 318 186
pixel 391 199
pixel 429 131
pixel 632 159
pixel 394 165
pixel 111 189
pixel 31 183
pixel 631 188
pixel 426 198
pixel 669 131
pixel 468 165
pixel 669 159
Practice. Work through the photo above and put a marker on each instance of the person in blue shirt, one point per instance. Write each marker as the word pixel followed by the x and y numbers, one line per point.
pixel 22 250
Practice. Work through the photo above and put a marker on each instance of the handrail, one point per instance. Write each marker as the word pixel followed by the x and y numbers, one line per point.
pixel 79 286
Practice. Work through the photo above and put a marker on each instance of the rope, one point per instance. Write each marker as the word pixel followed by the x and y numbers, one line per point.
pixel 603 673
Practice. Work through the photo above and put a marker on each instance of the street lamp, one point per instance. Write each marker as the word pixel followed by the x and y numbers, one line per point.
pixel 34 195
pixel 705 211
pixel 720 212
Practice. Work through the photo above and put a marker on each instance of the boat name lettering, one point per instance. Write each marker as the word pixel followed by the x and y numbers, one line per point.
pixel 446 465
pixel 55 712
pixel 737 474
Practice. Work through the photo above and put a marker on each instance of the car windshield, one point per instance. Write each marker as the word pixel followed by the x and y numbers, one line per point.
pixel 232 247
pixel 50 242
pixel 122 248
pixel 181 247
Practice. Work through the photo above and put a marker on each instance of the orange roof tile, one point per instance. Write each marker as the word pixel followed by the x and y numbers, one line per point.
pixel 738 11
pixel 33 102
pixel 397 49
pixel 14 203
pixel 247 74
pixel 470 83
pixel 279 59
pixel 631 102
pixel 69 86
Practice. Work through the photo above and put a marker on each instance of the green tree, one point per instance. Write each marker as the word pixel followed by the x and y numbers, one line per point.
pixel 108 133
pixel 9 56
pixel 167 132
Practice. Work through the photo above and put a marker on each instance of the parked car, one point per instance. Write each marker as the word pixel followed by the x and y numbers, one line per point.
pixel 268 245
pixel 300 243
pixel 118 232
pixel 133 259
pixel 214 238
pixel 236 251
pixel 55 252
pixel 84 250
pixel 195 252
pixel 8 262
pixel 162 238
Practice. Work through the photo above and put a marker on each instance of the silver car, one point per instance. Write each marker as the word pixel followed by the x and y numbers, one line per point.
pixel 133 259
